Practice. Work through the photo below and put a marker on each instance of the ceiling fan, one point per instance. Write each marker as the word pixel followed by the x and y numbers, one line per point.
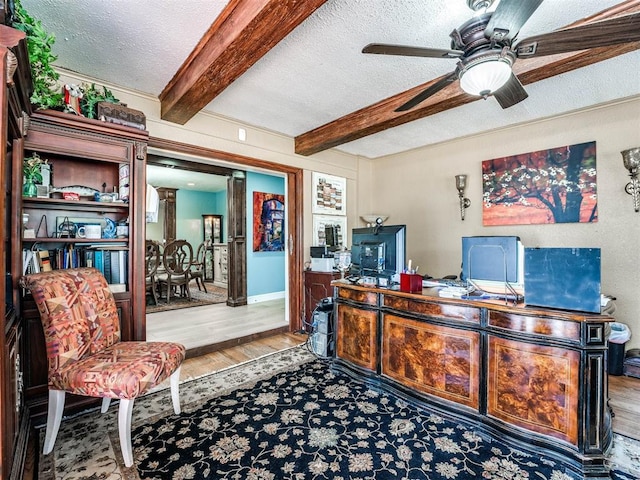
pixel 486 49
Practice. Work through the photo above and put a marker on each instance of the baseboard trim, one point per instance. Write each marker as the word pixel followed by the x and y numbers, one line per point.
pixel 265 297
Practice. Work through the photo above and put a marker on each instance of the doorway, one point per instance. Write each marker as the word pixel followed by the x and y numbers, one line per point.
pixel 210 161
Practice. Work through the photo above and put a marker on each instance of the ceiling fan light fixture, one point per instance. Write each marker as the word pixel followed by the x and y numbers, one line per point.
pixel 485 77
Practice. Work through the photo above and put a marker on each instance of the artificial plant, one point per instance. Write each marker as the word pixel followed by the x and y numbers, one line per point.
pixel 91 96
pixel 46 90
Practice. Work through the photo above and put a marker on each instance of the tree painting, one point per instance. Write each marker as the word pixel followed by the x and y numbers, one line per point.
pixel 557 185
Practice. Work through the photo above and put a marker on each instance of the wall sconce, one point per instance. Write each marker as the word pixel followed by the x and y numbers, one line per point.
pixel 631 160
pixel 461 184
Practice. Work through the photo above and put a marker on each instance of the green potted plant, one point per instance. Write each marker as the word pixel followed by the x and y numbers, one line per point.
pixel 91 96
pixel 46 90
pixel 32 172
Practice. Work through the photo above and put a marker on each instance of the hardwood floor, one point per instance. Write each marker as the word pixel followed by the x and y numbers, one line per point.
pixel 213 327
pixel 624 399
pixel 197 366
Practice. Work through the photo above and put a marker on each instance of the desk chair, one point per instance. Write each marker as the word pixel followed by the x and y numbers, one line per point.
pixel 85 354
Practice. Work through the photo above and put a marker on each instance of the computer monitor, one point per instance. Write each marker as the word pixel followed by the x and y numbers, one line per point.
pixel 378 251
pixel 494 263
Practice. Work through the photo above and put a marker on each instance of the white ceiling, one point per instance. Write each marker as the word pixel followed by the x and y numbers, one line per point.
pixel 318 73
pixel 160 176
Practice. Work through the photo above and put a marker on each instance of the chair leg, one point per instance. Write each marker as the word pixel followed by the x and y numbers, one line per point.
pixel 175 390
pixel 54 416
pixel 105 405
pixel 124 430
pixel 203 285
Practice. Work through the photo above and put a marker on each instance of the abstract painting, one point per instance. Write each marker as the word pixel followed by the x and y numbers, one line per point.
pixel 268 222
pixel 557 185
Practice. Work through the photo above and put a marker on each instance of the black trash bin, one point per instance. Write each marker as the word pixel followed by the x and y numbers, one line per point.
pixel 618 338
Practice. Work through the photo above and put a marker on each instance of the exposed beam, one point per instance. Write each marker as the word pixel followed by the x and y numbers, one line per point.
pixel 382 115
pixel 241 35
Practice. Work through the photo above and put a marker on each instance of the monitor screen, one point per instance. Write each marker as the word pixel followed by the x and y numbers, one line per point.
pixel 492 262
pixel 378 250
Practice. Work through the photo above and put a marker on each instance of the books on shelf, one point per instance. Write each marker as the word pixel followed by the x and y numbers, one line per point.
pixel 111 260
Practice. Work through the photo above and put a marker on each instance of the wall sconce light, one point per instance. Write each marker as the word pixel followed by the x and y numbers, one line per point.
pixel 631 160
pixel 461 184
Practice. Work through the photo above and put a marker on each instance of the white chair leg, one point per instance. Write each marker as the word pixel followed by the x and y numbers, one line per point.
pixel 124 430
pixel 175 390
pixel 105 405
pixel 54 416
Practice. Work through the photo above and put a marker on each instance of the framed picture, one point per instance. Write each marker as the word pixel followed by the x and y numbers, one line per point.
pixel 329 194
pixel 329 230
pixel 268 222
pixel 556 185
pixel 212 228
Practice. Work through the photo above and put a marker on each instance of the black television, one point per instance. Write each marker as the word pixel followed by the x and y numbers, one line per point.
pixel 378 251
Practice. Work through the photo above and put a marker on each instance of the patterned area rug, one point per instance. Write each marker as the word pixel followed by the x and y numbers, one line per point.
pixel 214 295
pixel 287 416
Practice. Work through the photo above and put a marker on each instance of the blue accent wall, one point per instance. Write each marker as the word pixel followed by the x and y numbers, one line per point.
pixel 265 270
pixel 190 206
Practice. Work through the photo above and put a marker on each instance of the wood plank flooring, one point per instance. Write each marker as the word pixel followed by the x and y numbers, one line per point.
pixel 624 399
pixel 212 362
pixel 212 327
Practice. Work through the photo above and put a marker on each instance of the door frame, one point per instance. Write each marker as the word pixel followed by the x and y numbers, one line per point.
pixel 294 179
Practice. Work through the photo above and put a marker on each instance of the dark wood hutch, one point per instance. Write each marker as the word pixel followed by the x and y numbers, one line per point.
pixel 534 376
pixel 15 91
pixel 88 153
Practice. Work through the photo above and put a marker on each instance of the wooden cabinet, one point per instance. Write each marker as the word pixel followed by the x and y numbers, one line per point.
pixel 220 264
pixel 85 156
pixel 317 285
pixel 533 376
pixel 15 90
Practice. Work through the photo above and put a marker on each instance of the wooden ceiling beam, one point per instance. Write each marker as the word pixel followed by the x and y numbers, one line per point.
pixel 382 115
pixel 241 35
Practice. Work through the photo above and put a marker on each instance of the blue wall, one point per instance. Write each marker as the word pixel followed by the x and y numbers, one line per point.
pixel 190 206
pixel 265 270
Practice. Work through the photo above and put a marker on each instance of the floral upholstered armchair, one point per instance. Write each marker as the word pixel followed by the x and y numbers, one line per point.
pixel 85 354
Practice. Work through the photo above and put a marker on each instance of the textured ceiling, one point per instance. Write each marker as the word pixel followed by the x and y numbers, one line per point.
pixel 318 73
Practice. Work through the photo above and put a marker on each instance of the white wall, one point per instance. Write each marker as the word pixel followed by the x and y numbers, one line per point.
pixel 418 188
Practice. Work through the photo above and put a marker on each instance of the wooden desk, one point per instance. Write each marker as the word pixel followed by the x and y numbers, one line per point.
pixel 536 376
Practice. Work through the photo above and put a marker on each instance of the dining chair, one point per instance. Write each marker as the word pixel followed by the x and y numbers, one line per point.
pixel 177 258
pixel 152 262
pixel 197 268
pixel 85 354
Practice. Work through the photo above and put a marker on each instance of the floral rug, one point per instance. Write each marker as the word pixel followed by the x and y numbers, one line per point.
pixel 288 416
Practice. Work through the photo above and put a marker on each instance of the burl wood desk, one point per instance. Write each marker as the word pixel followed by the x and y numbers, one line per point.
pixel 534 376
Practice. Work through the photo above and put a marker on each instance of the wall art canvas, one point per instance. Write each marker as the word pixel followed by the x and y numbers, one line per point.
pixel 334 225
pixel 557 185
pixel 329 194
pixel 268 222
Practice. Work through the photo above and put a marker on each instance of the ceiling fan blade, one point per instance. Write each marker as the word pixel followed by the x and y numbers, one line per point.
pixel 387 49
pixel 509 17
pixel 511 93
pixel 431 90
pixel 598 34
